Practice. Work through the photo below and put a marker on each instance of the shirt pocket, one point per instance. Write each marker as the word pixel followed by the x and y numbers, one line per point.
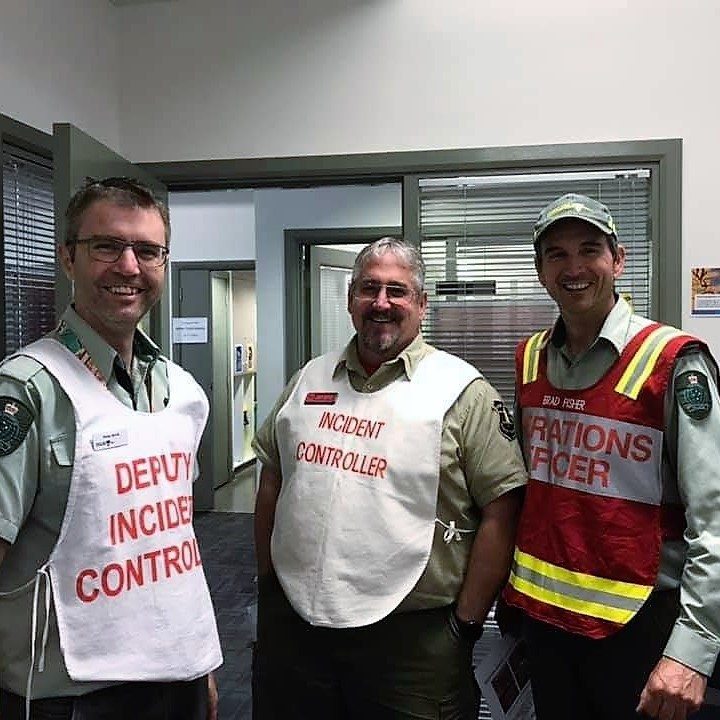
pixel 61 452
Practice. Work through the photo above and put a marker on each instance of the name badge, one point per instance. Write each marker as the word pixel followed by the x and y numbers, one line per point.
pixel 321 398
pixel 110 439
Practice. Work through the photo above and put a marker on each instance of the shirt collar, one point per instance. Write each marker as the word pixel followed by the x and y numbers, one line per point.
pixel 102 354
pixel 410 357
pixel 614 330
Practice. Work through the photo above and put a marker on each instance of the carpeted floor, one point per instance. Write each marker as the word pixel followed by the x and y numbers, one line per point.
pixel 226 544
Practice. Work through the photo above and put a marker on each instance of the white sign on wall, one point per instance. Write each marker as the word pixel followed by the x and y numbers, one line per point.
pixel 189 329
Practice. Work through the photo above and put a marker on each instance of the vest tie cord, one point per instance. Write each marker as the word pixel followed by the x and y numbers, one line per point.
pixel 40 575
pixel 452 532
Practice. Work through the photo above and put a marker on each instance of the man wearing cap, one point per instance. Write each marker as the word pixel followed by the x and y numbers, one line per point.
pixel 617 560
pixel 385 518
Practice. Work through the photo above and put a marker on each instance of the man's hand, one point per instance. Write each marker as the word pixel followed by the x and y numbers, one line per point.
pixel 212 705
pixel 672 691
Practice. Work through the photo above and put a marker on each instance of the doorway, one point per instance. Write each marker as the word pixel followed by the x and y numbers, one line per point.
pixel 213 338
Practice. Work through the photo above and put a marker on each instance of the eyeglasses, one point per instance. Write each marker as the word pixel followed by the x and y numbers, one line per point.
pixel 369 290
pixel 109 250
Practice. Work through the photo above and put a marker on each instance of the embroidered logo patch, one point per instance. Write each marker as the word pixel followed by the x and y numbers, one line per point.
pixel 693 394
pixel 507 425
pixel 321 398
pixel 15 421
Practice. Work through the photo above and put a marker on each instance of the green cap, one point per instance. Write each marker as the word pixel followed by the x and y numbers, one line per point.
pixel 581 207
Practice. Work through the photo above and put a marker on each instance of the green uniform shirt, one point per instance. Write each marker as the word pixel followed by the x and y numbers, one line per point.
pixel 691 475
pixel 478 463
pixel 34 483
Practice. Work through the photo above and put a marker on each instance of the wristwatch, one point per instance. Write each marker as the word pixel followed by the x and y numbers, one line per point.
pixel 465 629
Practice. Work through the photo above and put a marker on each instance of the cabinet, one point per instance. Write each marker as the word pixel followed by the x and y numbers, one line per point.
pixel 244 404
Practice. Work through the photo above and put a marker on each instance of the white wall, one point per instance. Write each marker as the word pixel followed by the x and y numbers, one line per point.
pixel 244 313
pixel 202 79
pixel 59 62
pixel 316 208
pixel 276 78
pixel 212 225
pixel 272 77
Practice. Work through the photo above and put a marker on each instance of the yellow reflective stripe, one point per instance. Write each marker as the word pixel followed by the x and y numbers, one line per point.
pixel 643 362
pixel 531 357
pixel 581 580
pixel 581 607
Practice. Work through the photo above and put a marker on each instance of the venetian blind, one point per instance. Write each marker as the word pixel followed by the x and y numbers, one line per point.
pixel 335 323
pixel 476 240
pixel 28 247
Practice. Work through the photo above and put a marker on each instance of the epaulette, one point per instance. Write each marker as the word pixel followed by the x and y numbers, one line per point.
pixel 20 367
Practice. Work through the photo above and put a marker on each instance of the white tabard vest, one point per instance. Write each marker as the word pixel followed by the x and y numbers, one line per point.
pixel 355 518
pixel 128 587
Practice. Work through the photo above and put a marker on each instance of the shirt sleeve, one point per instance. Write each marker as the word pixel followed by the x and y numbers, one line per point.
pixel 492 459
pixel 695 638
pixel 265 443
pixel 19 454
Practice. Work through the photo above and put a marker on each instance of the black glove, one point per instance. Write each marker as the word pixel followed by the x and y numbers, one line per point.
pixel 470 631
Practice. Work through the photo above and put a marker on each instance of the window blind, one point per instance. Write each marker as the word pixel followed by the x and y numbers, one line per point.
pixel 335 322
pixel 28 246
pixel 476 240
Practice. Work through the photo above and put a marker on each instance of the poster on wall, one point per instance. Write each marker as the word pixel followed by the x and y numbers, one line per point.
pixel 705 291
pixel 190 330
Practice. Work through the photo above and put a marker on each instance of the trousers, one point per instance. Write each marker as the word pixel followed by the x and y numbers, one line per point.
pixel 136 700
pixel 408 666
pixel 575 677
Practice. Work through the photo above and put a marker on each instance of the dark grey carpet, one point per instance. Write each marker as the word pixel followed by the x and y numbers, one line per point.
pixel 226 545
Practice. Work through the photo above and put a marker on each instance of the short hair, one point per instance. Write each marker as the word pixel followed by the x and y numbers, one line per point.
pixel 123 191
pixel 408 254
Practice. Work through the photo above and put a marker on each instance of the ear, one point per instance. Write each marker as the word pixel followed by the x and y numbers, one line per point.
pixel 619 262
pixel 423 305
pixel 66 261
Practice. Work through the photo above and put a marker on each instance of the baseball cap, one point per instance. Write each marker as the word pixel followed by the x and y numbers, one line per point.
pixel 577 206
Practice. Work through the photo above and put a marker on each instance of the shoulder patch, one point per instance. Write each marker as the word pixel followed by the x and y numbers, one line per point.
pixel 15 420
pixel 693 394
pixel 507 425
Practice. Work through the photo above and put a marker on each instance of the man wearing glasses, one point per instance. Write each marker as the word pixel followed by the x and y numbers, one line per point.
pixel 385 517
pixel 104 607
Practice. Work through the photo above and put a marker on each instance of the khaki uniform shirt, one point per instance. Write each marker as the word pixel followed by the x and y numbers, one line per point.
pixel 35 478
pixel 691 475
pixel 478 464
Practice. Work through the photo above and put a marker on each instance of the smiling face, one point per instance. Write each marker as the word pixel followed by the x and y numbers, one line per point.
pixel 113 297
pixel 385 325
pixel 577 268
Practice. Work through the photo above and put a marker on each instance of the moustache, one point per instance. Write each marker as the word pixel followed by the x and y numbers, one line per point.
pixel 388 315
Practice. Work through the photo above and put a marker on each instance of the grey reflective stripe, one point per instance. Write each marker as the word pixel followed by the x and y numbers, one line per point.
pixel 642 363
pixel 583 595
